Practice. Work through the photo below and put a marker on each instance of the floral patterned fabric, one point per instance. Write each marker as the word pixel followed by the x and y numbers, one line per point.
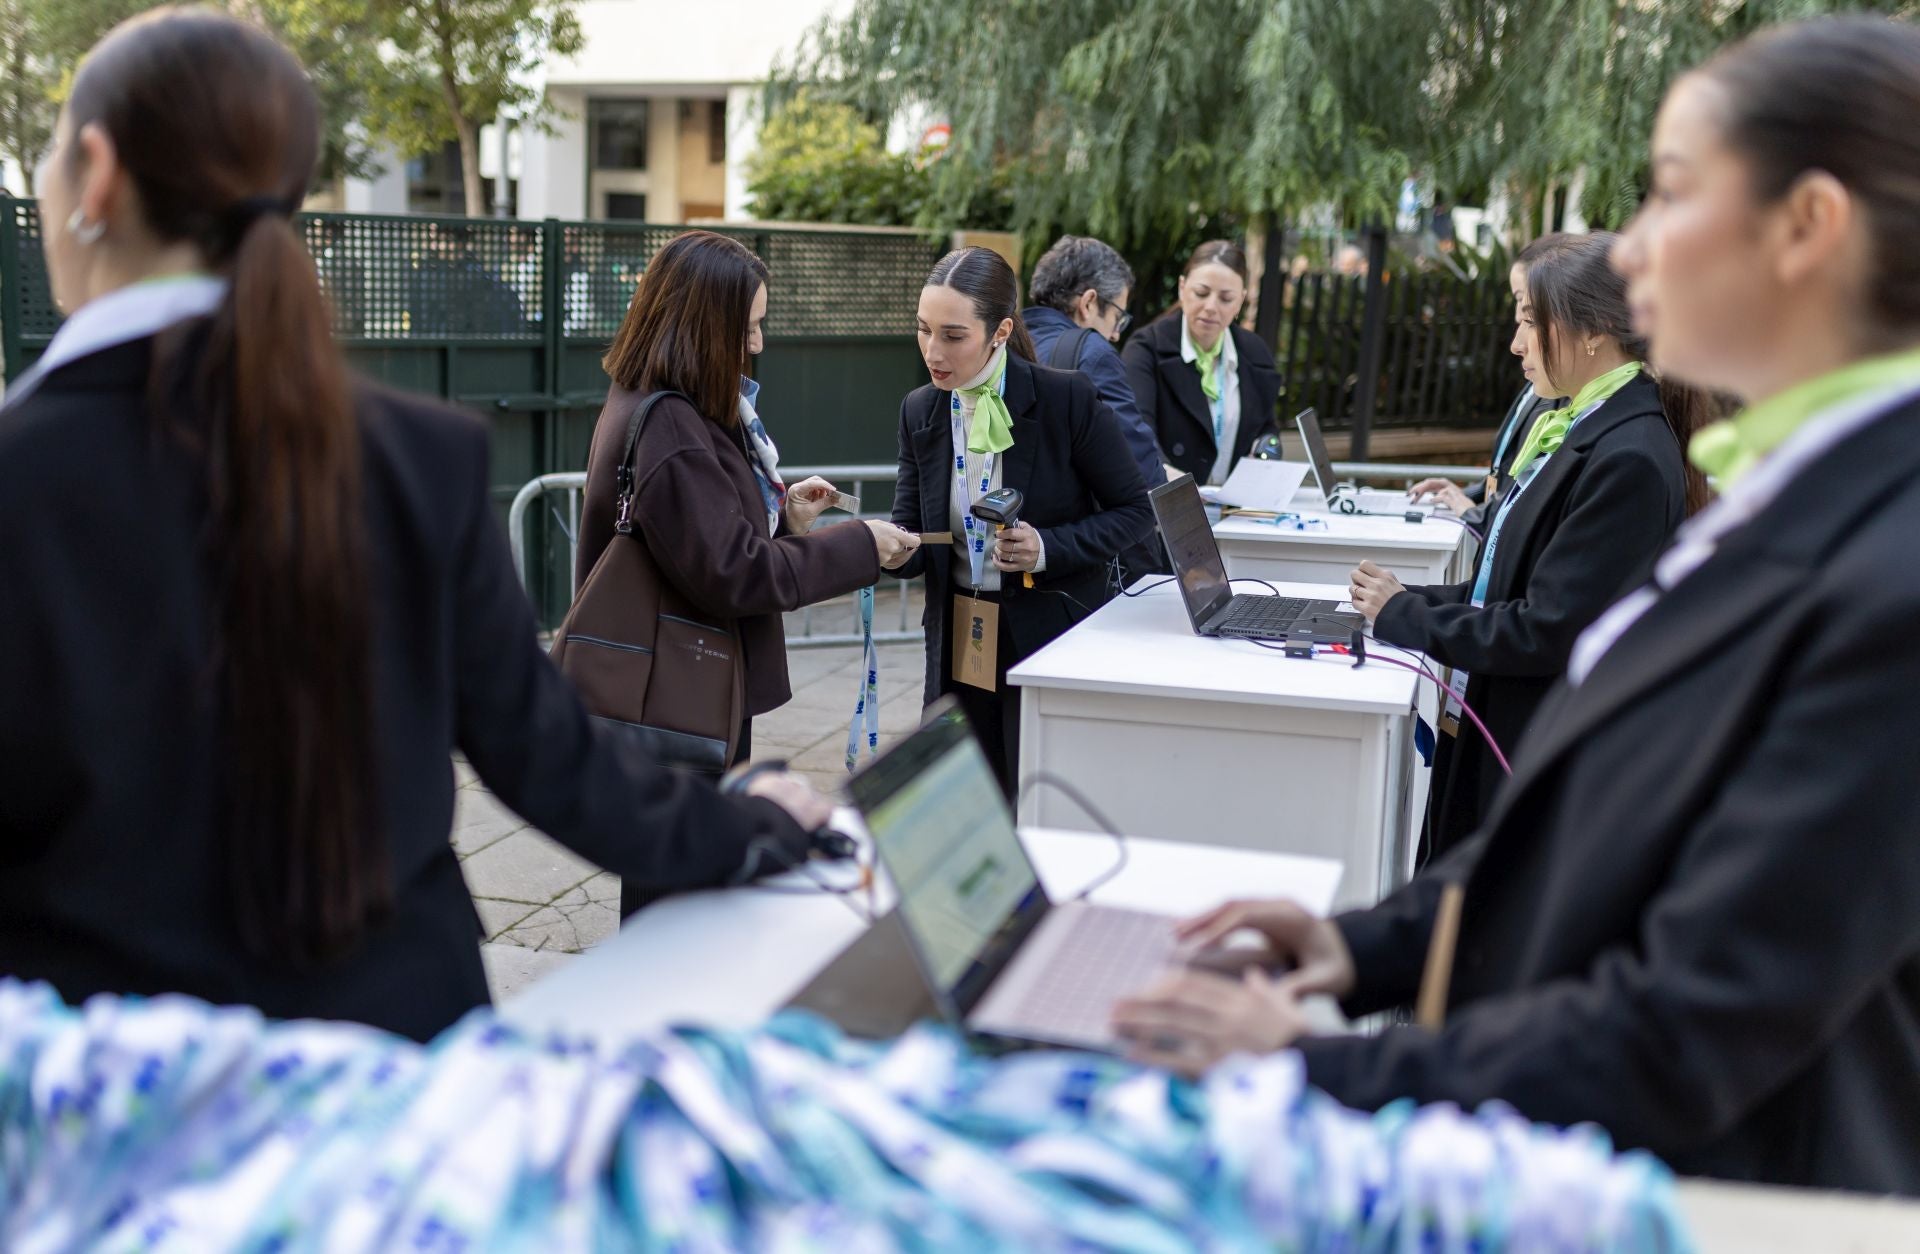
pixel 170 1125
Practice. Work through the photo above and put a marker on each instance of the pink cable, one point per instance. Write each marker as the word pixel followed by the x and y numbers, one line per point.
pixel 1445 692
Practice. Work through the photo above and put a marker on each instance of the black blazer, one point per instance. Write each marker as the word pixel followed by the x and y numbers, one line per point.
pixel 1701 933
pixel 112 776
pixel 1168 392
pixel 1083 495
pixel 1588 527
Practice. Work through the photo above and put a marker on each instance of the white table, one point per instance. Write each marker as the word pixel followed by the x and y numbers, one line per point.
pixel 1223 742
pixel 1434 551
pixel 731 958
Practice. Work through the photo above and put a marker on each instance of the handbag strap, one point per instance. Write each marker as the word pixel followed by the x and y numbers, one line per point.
pixel 623 474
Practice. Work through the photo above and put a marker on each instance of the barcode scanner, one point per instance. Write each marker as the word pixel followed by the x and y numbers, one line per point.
pixel 1001 507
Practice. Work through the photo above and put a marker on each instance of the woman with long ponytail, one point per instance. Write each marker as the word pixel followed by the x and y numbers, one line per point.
pixel 253 604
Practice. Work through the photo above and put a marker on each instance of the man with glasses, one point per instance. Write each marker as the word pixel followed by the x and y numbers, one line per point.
pixel 1079 291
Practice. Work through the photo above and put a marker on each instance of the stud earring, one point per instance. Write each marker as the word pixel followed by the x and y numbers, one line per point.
pixel 84 231
pixel 1589 350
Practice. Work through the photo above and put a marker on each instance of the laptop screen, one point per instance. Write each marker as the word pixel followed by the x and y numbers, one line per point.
pixel 1182 516
pixel 1307 422
pixel 968 893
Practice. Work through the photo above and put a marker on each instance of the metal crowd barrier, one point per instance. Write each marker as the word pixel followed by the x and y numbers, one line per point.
pixel 561 494
pixel 570 485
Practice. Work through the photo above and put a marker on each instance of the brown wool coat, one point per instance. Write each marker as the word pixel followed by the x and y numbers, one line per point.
pixel 698 506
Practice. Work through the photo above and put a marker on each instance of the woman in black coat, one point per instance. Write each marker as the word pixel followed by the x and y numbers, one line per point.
pixel 253 605
pixel 1601 485
pixel 1207 387
pixel 1689 918
pixel 1044 433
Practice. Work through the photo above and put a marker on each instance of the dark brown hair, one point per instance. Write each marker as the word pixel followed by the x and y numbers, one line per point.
pixel 686 329
pixel 1574 290
pixel 1841 95
pixel 217 127
pixel 1219 252
pixel 984 277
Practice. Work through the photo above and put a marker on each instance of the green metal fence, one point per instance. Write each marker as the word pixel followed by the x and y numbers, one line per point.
pixel 511 318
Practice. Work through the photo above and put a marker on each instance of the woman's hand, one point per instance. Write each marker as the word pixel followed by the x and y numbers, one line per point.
pixel 1311 948
pixel 806 501
pixel 1373 588
pixel 1445 493
pixel 795 795
pixel 894 545
pixel 1016 548
pixel 1193 1020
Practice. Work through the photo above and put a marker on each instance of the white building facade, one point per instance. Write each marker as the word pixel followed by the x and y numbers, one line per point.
pixel 653 121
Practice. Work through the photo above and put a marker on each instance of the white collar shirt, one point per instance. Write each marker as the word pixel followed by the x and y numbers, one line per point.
pixel 1229 398
pixel 120 317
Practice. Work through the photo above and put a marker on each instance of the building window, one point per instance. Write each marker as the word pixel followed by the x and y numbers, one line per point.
pixel 717 133
pixel 627 206
pixel 619 134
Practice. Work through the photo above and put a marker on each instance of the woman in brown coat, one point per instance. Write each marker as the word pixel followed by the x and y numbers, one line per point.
pixel 708 498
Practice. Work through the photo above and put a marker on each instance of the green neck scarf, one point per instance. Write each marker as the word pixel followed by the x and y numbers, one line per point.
pixel 992 427
pixel 1205 360
pixel 1550 429
pixel 1727 450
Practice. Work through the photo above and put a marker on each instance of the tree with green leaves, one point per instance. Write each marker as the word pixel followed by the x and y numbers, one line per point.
pixel 448 67
pixel 41 43
pixel 821 161
pixel 1148 120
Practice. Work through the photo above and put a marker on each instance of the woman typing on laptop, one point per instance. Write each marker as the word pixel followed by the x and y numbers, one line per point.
pixel 1596 490
pixel 1689 917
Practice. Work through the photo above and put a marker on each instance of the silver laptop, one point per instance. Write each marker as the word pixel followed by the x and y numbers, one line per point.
pixel 1347 498
pixel 999 958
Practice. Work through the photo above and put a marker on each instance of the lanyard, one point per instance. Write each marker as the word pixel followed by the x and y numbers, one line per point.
pixel 976 530
pixel 868 706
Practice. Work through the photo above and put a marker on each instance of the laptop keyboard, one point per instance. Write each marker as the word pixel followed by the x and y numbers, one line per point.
pixel 1102 955
pixel 1260 616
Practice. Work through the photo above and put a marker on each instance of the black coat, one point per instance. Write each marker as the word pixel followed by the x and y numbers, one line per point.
pixel 1167 390
pixel 1083 495
pixel 1588 527
pixel 1701 933
pixel 112 777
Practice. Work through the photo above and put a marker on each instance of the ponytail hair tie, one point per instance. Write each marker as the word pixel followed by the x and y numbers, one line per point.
pixel 241 214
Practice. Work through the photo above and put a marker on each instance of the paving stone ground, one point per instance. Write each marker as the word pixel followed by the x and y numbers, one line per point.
pixel 541 905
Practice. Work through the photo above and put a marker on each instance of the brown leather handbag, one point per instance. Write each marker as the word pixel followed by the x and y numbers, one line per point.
pixel 648 665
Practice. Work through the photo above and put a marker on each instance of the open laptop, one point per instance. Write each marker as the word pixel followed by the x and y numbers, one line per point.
pixel 1347 498
pixel 1212 605
pixel 998 957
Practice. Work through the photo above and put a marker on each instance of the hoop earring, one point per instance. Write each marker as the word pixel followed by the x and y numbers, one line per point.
pixel 86 232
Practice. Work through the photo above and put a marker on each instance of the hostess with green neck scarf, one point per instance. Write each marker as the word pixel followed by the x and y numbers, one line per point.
pixel 1549 432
